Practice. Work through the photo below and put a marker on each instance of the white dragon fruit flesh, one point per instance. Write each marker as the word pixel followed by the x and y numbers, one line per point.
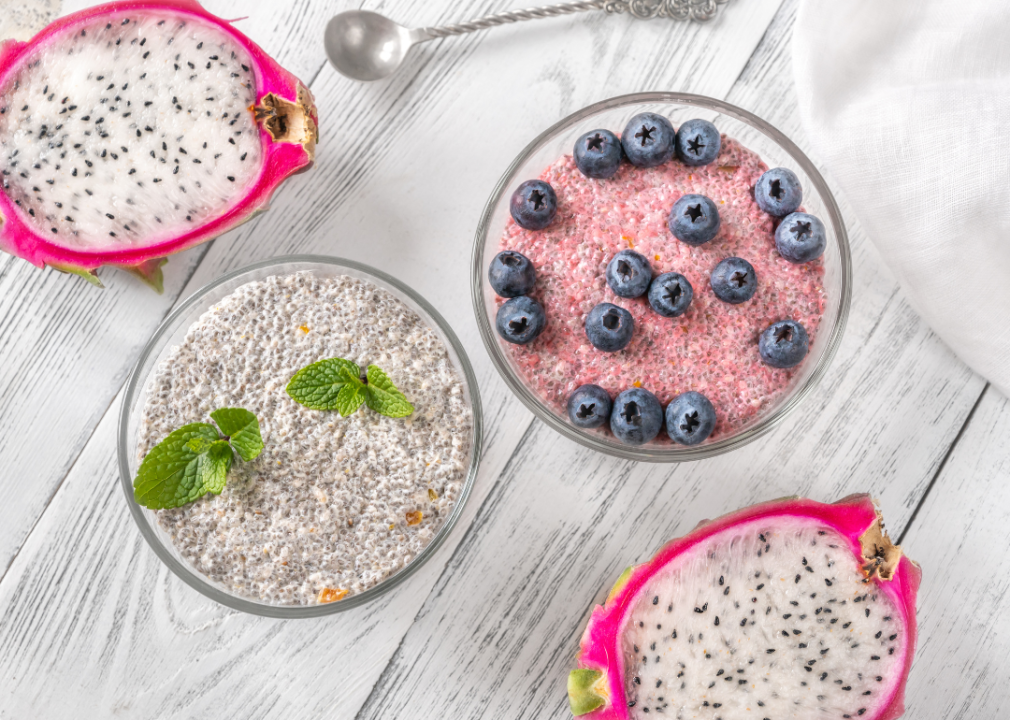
pixel 136 129
pixel 788 610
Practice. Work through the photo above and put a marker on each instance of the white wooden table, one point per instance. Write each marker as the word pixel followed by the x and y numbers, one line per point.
pixel 93 625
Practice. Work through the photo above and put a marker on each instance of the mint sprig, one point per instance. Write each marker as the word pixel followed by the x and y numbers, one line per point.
pixel 338 384
pixel 382 396
pixel 332 384
pixel 243 430
pixel 194 460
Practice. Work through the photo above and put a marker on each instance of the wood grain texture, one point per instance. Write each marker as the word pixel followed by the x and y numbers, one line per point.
pixel 900 394
pixel 88 606
pixel 500 631
pixel 85 582
pixel 960 538
pixel 66 348
pixel 405 166
pixel 89 619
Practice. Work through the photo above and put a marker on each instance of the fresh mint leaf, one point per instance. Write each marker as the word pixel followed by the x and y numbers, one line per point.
pixel 382 396
pixel 331 384
pixel 194 460
pixel 199 444
pixel 336 384
pixel 215 468
pixel 243 429
pixel 216 462
pixel 350 398
pixel 183 467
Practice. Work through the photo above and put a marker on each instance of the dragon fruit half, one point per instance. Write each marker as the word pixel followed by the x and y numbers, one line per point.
pixel 136 129
pixel 788 609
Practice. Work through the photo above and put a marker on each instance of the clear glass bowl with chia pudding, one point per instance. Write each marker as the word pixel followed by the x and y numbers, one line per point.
pixel 253 585
pixel 597 218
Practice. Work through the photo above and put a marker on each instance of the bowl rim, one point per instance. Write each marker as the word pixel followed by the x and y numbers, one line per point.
pixel 195 579
pixel 675 453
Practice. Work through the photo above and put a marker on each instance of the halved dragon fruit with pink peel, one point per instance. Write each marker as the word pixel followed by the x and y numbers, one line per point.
pixel 136 129
pixel 791 609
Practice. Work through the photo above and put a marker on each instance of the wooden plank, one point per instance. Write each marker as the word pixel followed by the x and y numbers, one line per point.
pixel 499 632
pixel 900 394
pixel 382 196
pixel 85 601
pixel 404 171
pixel 66 348
pixel 960 537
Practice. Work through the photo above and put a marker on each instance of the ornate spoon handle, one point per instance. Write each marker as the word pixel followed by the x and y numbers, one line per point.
pixel 698 10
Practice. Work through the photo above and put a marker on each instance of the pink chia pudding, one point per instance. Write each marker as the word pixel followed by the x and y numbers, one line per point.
pixel 713 347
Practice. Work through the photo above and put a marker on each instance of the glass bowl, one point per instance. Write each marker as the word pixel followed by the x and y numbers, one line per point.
pixel 775 149
pixel 173 330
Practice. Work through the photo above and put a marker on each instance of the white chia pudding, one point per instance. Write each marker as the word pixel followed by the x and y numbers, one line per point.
pixel 333 505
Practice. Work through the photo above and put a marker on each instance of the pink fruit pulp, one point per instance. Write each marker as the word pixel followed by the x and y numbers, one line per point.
pixel 600 648
pixel 281 158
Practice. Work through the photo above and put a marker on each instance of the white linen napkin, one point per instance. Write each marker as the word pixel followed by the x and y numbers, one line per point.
pixel 907 104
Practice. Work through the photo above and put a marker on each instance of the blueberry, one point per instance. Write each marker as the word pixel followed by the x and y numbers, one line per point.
pixel 778 192
pixel 520 320
pixel 698 142
pixel 637 417
pixel 598 154
pixel 784 344
pixel 609 328
pixel 629 274
pixel 694 219
pixel 648 140
pixel 734 280
pixel 670 294
pixel 511 274
pixel 690 418
pixel 800 237
pixel 589 406
pixel 533 205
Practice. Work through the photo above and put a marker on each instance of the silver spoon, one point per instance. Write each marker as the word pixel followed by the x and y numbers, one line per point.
pixel 364 45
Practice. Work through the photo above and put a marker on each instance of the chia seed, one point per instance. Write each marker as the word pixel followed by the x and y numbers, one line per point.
pixel 713 347
pixel 332 503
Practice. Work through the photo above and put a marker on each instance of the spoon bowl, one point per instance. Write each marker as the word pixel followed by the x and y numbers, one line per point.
pixel 367 46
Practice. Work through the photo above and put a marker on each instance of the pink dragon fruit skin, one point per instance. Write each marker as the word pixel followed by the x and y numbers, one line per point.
pixel 284 112
pixel 597 688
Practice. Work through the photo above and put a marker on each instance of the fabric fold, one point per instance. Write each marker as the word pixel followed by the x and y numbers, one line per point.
pixel 908 107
